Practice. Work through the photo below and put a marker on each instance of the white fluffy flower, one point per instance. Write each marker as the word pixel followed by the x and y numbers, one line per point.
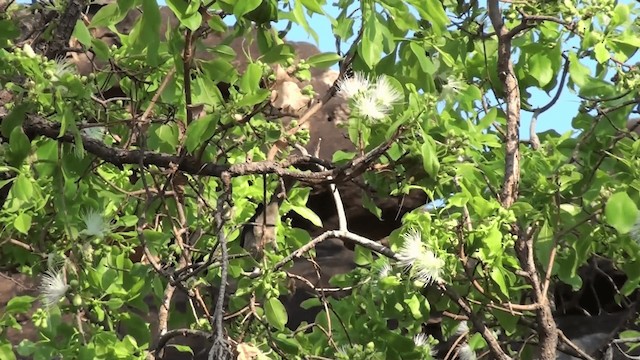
pixel 369 107
pixel 421 339
pixel 55 261
pixel 385 93
pixel 350 87
pixel 466 353
pixel 453 87
pixel 425 265
pixel 428 267
pixel 373 100
pixel 63 67
pixel 384 270
pixel 411 248
pixel 52 287
pixel 462 328
pixel 94 224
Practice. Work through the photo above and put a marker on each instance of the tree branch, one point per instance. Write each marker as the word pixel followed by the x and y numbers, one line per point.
pixel 547 332
pixel 38 126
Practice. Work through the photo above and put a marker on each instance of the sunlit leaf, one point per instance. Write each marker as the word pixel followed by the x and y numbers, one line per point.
pixel 621 212
pixel 276 313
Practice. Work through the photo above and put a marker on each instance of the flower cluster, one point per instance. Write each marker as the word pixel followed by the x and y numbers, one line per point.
pixel 371 99
pixel 425 265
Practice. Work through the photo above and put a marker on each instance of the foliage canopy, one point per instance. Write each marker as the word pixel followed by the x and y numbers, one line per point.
pixel 178 167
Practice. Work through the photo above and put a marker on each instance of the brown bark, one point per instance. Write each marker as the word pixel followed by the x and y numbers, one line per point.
pixel 547 329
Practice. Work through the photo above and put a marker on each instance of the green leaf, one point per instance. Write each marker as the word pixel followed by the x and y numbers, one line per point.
pixel 144 35
pixel 323 60
pixel 413 304
pixel 620 15
pixel 19 147
pixel 362 256
pixel 446 57
pixel 433 11
pixel 344 27
pixel 369 204
pixel 629 334
pixel 310 303
pixel 498 278
pixel 275 313
pixel 370 48
pixel 628 39
pixel 288 345
pixel 99 312
pixel 252 99
pixel 137 327
pixel 168 134
pixel 307 214
pixel 108 278
pixel 242 7
pixel 216 24
pixel 114 303
pixel 81 33
pixel 621 212
pixel 540 67
pixel 184 12
pixel 22 223
pixel 14 119
pixel 601 52
pixel 19 304
pixel 22 187
pixel 206 92
pixel 493 241
pixel 341 156
pixel 429 157
pixel 425 62
pixel 250 81
pixel 578 73
pixel 507 321
pixel 105 16
pixel 543 245
pixel 8 31
pixel 297 15
pixel 199 131
pixel 313 6
pixel 155 240
pixel 6 352
pixel 279 54
pixel 100 48
pixel 182 348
